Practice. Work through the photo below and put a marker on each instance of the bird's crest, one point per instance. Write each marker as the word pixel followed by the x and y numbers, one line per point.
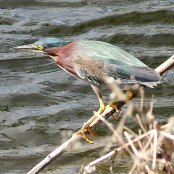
pixel 42 44
pixel 49 43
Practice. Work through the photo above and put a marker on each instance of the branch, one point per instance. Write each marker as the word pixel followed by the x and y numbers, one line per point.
pixel 114 152
pixel 153 134
pixel 106 114
pixel 168 64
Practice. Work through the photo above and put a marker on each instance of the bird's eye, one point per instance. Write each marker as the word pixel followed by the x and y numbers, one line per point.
pixel 39 47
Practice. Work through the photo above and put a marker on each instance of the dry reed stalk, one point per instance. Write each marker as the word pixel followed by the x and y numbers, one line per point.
pixel 143 149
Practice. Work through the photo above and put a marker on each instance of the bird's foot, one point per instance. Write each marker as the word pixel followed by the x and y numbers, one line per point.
pixel 83 130
pixel 129 94
pixel 86 127
pixel 113 104
pixel 115 117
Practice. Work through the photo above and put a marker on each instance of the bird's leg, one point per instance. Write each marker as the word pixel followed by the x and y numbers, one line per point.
pixel 114 103
pixel 129 94
pixel 97 91
pixel 86 126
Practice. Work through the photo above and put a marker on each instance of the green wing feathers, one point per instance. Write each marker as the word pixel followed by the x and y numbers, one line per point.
pixel 99 59
pixel 108 53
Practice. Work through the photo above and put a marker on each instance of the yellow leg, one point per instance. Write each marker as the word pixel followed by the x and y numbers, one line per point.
pixel 129 94
pixel 86 126
pixel 97 91
pixel 113 104
pixel 102 106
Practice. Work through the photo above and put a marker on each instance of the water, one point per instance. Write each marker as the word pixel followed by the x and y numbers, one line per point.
pixel 38 101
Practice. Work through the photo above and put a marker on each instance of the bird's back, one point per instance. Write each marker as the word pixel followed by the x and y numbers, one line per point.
pixel 97 58
pixel 109 53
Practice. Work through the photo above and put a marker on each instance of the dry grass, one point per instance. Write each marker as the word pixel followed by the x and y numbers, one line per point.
pixel 151 148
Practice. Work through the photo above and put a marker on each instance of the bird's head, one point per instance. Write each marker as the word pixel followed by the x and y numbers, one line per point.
pixel 42 44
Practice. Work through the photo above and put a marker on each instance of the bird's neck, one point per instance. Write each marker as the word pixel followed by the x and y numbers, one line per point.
pixel 63 56
pixel 52 52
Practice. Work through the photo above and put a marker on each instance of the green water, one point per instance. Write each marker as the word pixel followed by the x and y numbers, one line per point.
pixel 38 100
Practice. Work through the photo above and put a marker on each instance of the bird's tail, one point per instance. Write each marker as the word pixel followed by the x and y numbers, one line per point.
pixel 150 84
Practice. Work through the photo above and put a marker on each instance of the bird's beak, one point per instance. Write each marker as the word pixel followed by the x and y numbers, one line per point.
pixel 29 47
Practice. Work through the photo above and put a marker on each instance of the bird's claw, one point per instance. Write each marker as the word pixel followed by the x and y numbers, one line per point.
pixel 115 117
pixel 114 105
pixel 83 131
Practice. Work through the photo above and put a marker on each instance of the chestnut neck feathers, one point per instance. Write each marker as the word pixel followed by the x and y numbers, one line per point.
pixel 63 56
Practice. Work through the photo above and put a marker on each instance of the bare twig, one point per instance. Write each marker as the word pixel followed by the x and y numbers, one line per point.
pixel 153 133
pixel 145 157
pixel 154 149
pixel 168 64
pixel 107 113
pixel 54 154
pixel 112 153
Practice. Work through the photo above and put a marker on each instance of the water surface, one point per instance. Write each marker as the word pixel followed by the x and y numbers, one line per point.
pixel 38 101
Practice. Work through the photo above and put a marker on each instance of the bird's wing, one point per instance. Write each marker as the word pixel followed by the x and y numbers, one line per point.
pixel 108 53
pixel 113 61
pixel 86 74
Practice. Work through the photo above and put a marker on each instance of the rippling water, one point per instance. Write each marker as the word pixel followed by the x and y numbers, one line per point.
pixel 38 100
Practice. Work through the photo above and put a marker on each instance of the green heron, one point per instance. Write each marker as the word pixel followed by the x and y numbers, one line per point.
pixel 95 62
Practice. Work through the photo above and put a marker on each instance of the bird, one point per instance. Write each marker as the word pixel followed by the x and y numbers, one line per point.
pixel 95 62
